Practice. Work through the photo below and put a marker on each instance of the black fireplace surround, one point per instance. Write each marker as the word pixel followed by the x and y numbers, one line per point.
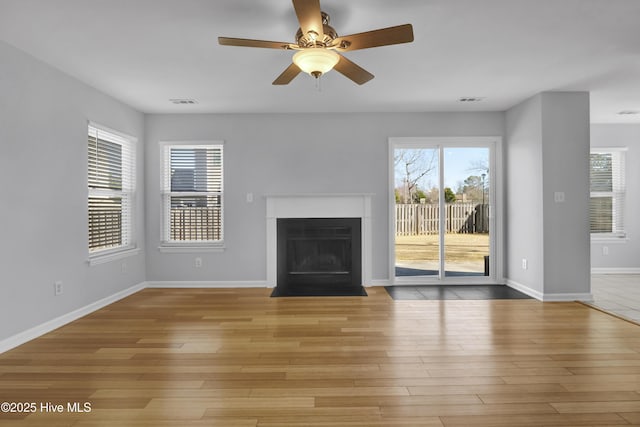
pixel 319 257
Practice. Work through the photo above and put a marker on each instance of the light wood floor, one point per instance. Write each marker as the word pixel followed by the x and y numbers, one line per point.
pixel 166 357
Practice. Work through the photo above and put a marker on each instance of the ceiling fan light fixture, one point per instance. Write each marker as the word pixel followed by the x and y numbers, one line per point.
pixel 316 61
pixel 315 41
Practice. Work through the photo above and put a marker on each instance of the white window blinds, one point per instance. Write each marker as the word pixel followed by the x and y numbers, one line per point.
pixel 607 183
pixel 111 186
pixel 193 193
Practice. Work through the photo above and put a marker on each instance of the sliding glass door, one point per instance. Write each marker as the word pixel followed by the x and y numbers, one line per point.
pixel 417 223
pixel 442 227
pixel 467 233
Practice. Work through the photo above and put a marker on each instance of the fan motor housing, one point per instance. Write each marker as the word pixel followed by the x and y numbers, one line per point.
pixel 310 39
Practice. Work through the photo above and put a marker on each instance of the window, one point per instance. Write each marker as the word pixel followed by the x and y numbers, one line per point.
pixel 111 160
pixel 192 194
pixel 607 183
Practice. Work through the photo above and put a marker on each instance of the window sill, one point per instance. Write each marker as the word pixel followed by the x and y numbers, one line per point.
pixel 187 249
pixel 609 239
pixel 103 258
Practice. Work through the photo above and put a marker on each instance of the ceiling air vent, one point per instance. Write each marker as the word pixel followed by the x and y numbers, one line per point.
pixel 183 101
pixel 471 99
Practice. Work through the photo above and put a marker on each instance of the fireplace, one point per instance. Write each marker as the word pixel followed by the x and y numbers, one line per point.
pixel 319 256
pixel 319 206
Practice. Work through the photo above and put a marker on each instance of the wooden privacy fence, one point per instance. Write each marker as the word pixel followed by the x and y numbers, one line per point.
pixel 196 223
pixel 417 219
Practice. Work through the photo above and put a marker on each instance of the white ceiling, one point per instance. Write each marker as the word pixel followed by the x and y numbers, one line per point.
pixel 145 52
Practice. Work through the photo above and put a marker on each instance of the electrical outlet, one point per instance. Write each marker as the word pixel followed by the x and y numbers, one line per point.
pixel 558 196
pixel 57 288
pixel 198 262
pixel 605 250
pixel 525 264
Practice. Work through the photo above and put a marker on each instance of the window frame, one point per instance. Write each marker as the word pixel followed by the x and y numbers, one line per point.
pixel 128 193
pixel 618 194
pixel 187 246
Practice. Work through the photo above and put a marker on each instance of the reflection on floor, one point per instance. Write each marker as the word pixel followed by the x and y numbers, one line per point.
pixel 452 292
pixel 618 294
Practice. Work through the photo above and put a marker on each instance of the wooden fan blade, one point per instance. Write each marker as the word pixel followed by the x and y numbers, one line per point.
pixel 352 71
pixel 287 75
pixel 375 38
pixel 309 16
pixel 229 41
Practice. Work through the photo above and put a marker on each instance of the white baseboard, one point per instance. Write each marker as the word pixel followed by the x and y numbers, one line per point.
pixel 524 289
pixel 540 296
pixel 210 284
pixel 37 331
pixel 583 297
pixel 615 271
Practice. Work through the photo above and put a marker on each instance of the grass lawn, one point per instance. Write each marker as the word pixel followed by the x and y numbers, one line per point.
pixel 459 247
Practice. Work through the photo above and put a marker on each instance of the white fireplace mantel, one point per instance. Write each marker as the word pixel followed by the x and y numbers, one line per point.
pixel 330 205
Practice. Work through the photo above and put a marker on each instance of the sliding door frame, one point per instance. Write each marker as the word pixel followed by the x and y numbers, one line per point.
pixel 496 222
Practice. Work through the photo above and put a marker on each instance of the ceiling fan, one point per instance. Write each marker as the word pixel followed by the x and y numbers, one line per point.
pixel 318 45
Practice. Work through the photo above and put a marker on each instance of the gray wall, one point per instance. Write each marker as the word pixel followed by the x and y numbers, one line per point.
pixel 43 193
pixel 523 187
pixel 311 153
pixel 547 151
pixel 565 160
pixel 624 254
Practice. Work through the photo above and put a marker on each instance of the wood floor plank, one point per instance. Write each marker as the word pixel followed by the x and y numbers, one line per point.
pixel 165 392
pixel 238 358
pixel 331 391
pixel 479 409
pixel 379 401
pixel 426 381
pixel 595 406
pixel 571 379
pixel 632 417
pixel 346 422
pixel 484 389
pixel 562 397
pixel 535 420
pixel 604 387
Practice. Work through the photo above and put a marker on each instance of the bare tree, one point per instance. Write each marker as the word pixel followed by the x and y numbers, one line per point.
pixel 415 164
pixel 481 165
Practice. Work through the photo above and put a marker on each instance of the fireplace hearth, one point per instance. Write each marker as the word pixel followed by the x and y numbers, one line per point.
pixel 319 257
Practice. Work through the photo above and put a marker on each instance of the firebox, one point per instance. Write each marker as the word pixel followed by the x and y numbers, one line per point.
pixel 319 256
